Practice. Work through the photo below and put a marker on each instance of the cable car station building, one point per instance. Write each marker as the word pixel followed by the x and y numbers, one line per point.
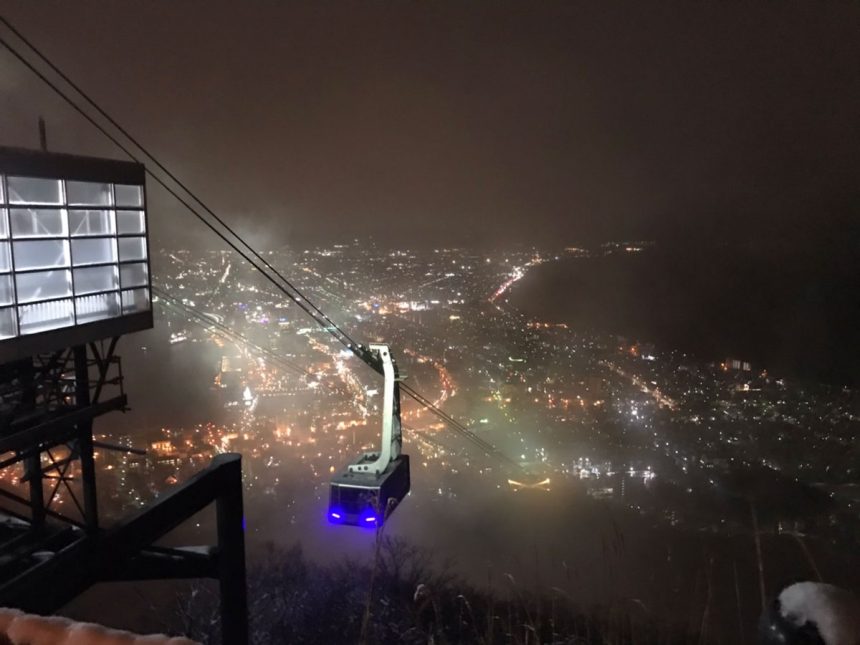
pixel 74 278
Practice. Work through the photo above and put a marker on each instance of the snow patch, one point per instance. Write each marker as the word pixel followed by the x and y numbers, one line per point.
pixel 27 629
pixel 834 611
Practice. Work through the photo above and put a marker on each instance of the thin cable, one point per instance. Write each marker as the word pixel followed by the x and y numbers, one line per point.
pixel 295 294
pixel 458 427
pixel 161 166
pixel 204 320
pixel 298 297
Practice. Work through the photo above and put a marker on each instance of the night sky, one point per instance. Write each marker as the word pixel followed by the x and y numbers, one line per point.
pixel 469 123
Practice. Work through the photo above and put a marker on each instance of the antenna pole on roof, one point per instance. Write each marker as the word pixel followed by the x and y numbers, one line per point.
pixel 43 135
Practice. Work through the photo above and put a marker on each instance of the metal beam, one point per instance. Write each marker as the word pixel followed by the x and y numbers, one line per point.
pixel 25 502
pixel 231 564
pixel 50 584
pixel 58 428
pixel 55 465
pixel 113 446
pixel 172 564
pixel 85 436
pixel 103 365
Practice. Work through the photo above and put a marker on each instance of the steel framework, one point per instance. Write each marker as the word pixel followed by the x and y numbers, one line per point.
pixel 47 406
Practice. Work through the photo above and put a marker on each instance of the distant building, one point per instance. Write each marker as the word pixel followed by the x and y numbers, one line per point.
pixel 736 365
pixel 164 447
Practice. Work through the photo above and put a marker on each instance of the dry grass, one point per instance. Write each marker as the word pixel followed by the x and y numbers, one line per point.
pixel 401 595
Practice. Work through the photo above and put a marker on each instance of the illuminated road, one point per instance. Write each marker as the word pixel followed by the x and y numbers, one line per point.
pixel 446 383
pixel 654 392
pixel 517 274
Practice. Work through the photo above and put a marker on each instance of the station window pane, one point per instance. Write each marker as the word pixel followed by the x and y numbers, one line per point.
pixel 133 275
pixel 44 316
pixel 8 323
pixel 128 195
pixel 97 307
pixel 5 257
pixel 2 189
pixel 82 223
pixel 92 279
pixel 7 294
pixel 129 222
pixel 40 254
pixel 86 193
pixel 4 224
pixel 30 190
pixel 43 285
pixel 135 300
pixel 93 251
pixel 132 248
pixel 37 222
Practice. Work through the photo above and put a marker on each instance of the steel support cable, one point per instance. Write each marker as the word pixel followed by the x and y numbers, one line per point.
pixel 230 333
pixel 459 428
pixel 155 160
pixel 202 319
pixel 292 292
pixel 456 425
pixel 227 332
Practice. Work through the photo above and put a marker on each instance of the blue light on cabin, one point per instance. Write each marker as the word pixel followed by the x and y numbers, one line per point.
pixel 368 518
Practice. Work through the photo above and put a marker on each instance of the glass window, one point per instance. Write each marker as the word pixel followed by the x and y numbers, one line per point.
pixel 29 190
pixel 132 248
pixel 87 193
pixel 43 285
pixel 2 194
pixel 133 275
pixel 8 323
pixel 4 224
pixel 37 222
pixel 5 257
pixel 92 279
pixel 40 254
pixel 128 195
pixel 97 307
pixel 7 294
pixel 90 223
pixel 44 316
pixel 93 251
pixel 135 300
pixel 129 222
